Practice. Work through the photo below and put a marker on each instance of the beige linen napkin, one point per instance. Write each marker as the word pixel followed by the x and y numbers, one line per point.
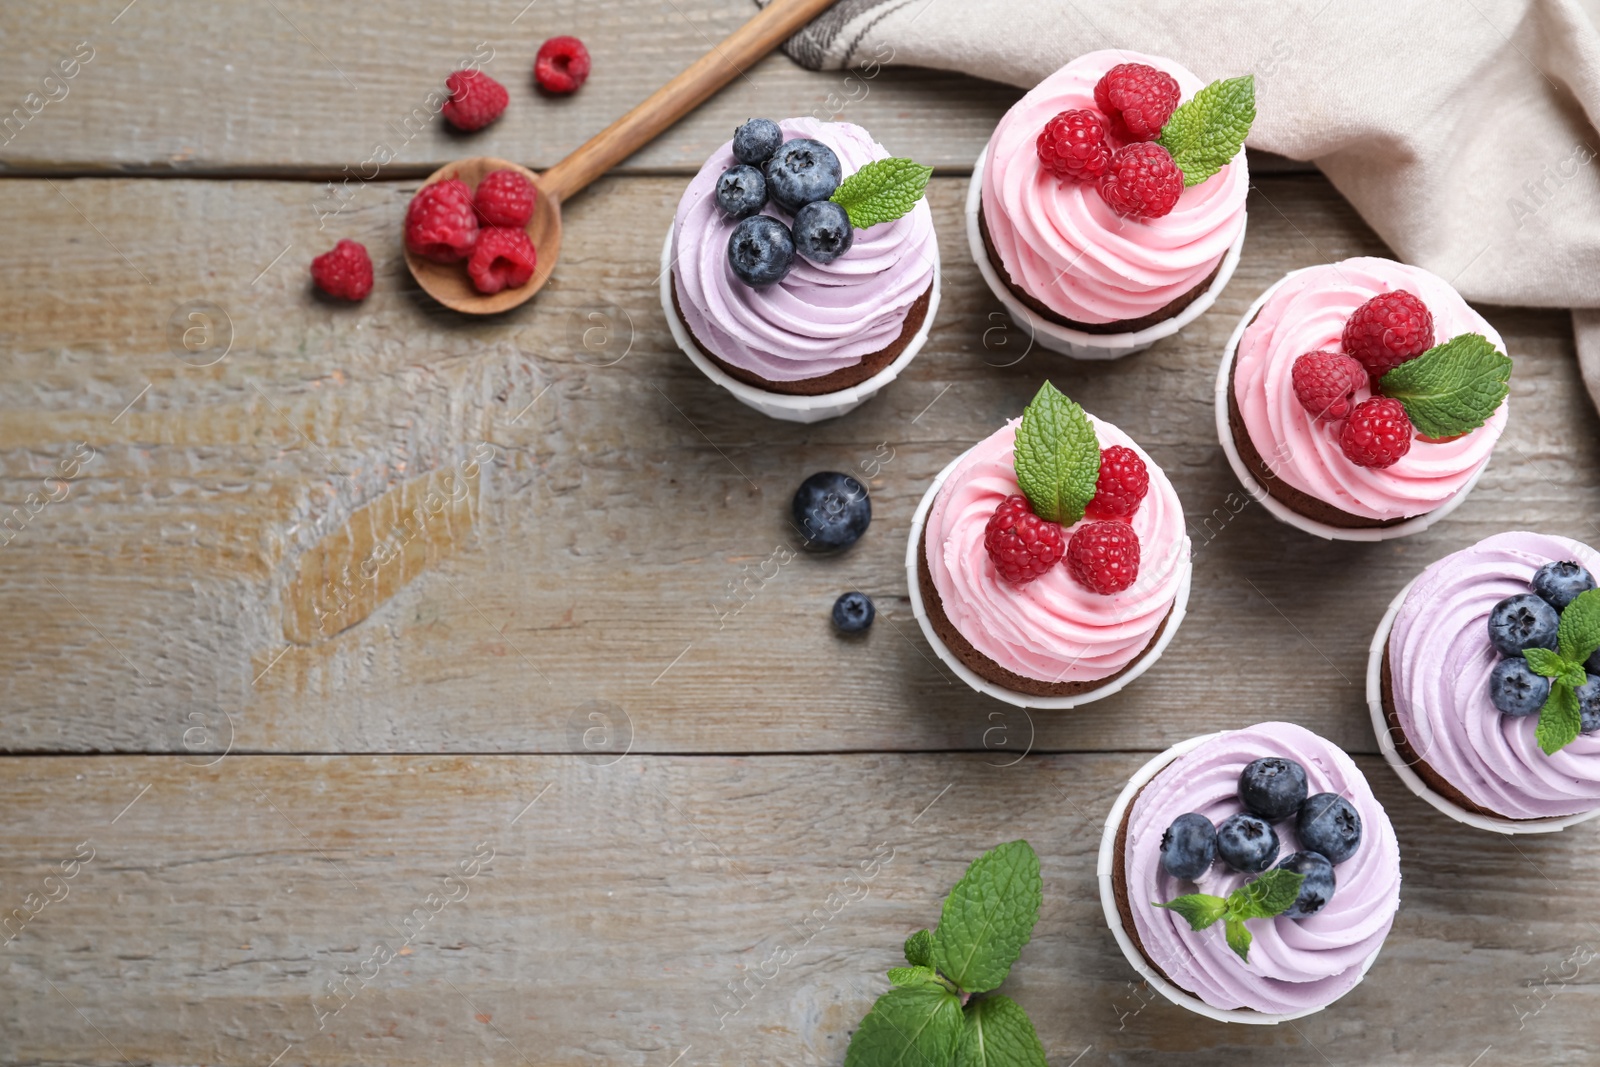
pixel 1464 131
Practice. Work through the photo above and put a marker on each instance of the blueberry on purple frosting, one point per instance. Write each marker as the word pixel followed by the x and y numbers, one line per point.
pixel 1515 690
pixel 1329 824
pixel 1317 887
pixel 761 251
pixel 1189 846
pixel 741 192
pixel 1272 787
pixel 1522 622
pixel 801 172
pixel 1559 583
pixel 1247 843
pixel 756 140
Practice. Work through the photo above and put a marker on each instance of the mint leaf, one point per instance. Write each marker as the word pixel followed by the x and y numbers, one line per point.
pixel 1451 388
pixel 998 1033
pixel 1239 938
pixel 912 977
pixel 913 1027
pixel 1201 909
pixel 1559 719
pixel 882 191
pixel 919 949
pixel 1271 894
pixel 1580 627
pixel 1057 457
pixel 1206 132
pixel 988 917
pixel 1543 661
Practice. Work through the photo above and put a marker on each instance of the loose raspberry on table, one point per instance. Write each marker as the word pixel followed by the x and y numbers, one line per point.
pixel 562 65
pixel 505 198
pixel 1072 146
pixel 441 223
pixel 1142 182
pixel 1022 545
pixel 504 259
pixel 475 99
pixel 1104 556
pixel 1138 99
pixel 1388 330
pixel 345 271
pixel 1325 384
pixel 1123 482
pixel 1377 433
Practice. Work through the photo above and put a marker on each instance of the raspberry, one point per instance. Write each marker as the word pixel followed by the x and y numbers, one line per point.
pixel 1377 433
pixel 1104 556
pixel 1022 545
pixel 561 65
pixel 344 272
pixel 1325 384
pixel 1122 484
pixel 440 223
pixel 1138 99
pixel 1388 330
pixel 505 198
pixel 1072 146
pixel 504 259
pixel 1143 182
pixel 475 99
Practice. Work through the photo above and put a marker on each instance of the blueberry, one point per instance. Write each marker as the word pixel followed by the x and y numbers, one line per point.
pixel 822 231
pixel 853 613
pixel 1560 583
pixel 1521 622
pixel 1189 846
pixel 1316 890
pixel 1515 689
pixel 1589 704
pixel 761 251
pixel 800 172
pixel 1247 843
pixel 831 510
pixel 741 191
pixel 1272 787
pixel 756 140
pixel 1329 824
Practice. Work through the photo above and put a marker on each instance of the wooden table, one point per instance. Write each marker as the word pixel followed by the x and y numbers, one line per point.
pixel 549 687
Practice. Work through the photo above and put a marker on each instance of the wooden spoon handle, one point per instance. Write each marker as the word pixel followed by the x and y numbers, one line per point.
pixel 775 23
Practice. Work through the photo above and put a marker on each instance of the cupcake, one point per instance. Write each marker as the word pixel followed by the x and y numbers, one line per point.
pixel 1049 563
pixel 1108 209
pixel 1360 400
pixel 1482 683
pixel 801 272
pixel 1274 808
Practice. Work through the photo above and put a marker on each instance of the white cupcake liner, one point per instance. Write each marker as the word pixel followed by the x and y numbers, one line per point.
pixel 1414 782
pixel 1108 902
pixel 782 405
pixel 1180 606
pixel 1077 343
pixel 1281 511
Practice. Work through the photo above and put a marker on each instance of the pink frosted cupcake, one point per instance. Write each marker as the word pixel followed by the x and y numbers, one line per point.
pixel 1098 267
pixel 1362 399
pixel 1050 599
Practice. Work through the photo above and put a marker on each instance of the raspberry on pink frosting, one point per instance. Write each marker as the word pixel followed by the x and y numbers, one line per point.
pixel 1439 660
pixel 1308 312
pixel 1053 629
pixel 1295 964
pixel 822 317
pixel 1065 246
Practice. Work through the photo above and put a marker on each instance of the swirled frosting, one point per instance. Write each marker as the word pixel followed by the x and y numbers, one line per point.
pixel 1061 242
pixel 823 317
pixel 1308 312
pixel 1439 661
pixel 1294 964
pixel 1053 629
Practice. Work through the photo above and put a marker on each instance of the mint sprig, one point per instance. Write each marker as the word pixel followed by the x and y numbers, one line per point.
pixel 1560 719
pixel 1271 894
pixel 1452 387
pixel 882 191
pixel 1207 131
pixel 1057 457
pixel 931 1018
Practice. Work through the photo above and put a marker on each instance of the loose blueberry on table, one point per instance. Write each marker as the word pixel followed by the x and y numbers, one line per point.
pixel 831 511
pixel 853 613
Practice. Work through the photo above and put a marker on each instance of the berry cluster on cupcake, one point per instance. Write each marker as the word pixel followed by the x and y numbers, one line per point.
pixel 484 228
pixel 1549 641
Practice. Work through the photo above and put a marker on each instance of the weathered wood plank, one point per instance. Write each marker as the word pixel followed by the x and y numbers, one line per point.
pixel 616 510
pixel 604 911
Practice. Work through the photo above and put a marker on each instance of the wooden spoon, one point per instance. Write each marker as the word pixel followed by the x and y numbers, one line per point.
pixel 449 284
